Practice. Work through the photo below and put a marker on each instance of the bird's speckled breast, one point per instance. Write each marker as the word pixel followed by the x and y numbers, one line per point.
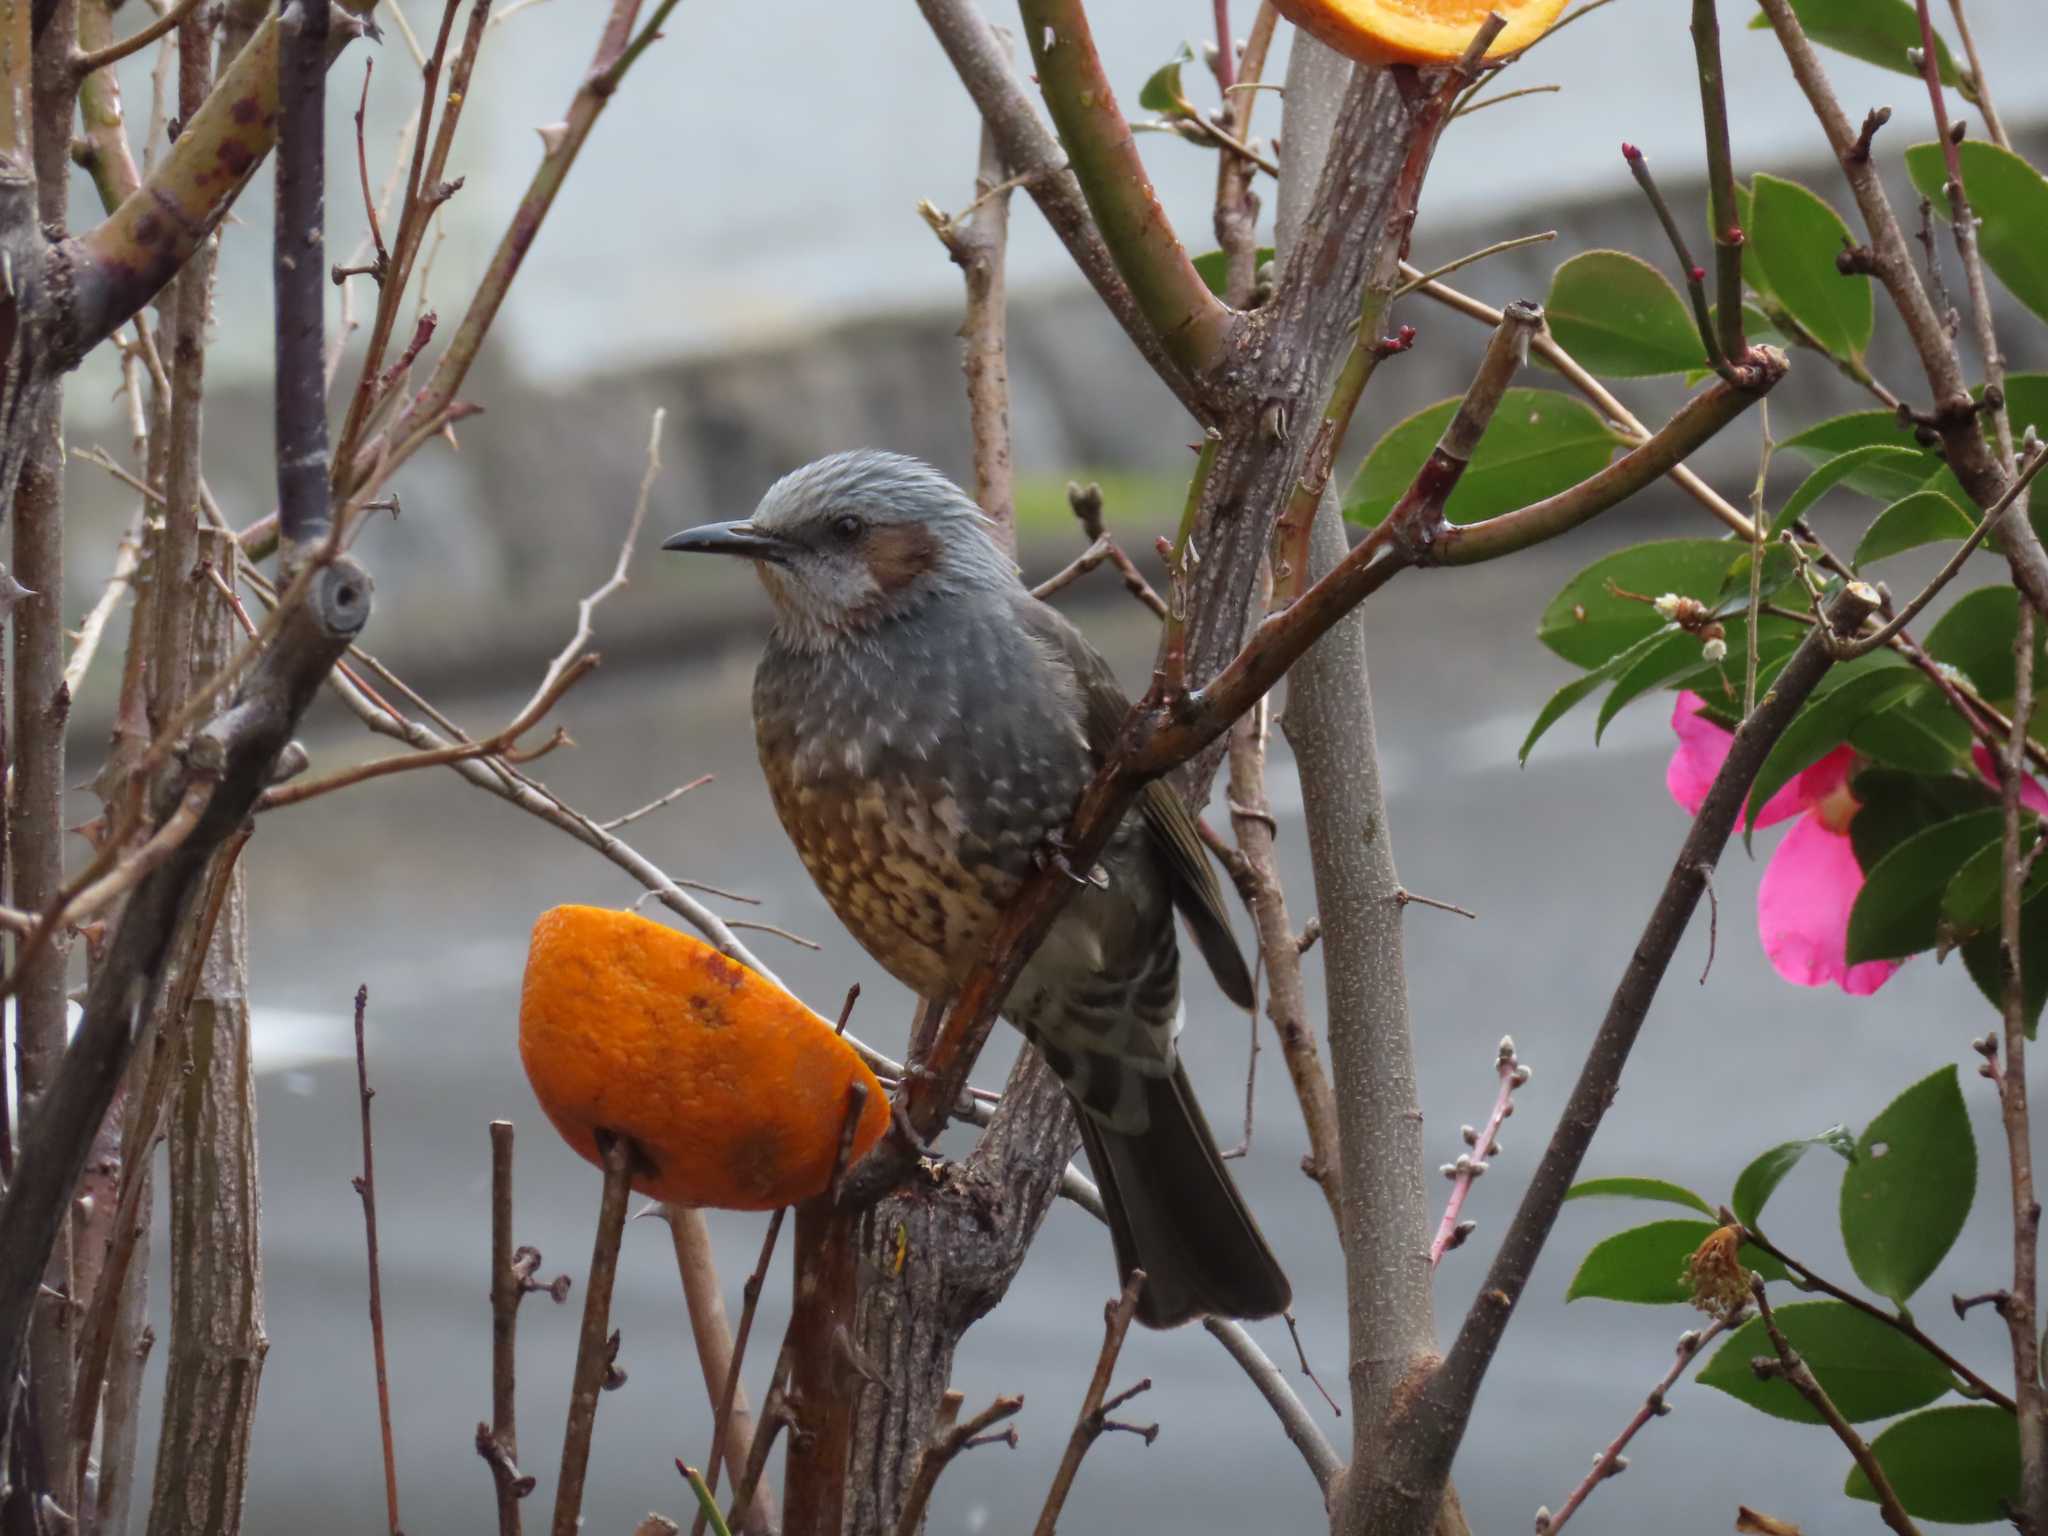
pixel 919 771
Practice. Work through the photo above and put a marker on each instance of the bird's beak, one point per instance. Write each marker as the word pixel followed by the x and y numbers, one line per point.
pixel 740 538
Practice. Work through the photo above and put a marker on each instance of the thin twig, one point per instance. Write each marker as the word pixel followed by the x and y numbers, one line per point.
pixel 366 1187
pixel 1495 249
pixel 719 1351
pixel 654 805
pixel 1295 1421
pixel 1089 1424
pixel 83 64
pixel 1611 1462
pixel 774 1415
pixel 498 1441
pixel 949 1440
pixel 1465 1172
pixel 1799 1376
pixel 593 1356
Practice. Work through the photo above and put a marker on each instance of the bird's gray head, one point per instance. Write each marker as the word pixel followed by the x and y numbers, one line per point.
pixel 857 540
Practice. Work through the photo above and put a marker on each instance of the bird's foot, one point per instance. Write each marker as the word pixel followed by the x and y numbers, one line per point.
pixel 1054 856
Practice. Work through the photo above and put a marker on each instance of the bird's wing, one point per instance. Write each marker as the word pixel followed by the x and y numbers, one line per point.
pixel 1191 878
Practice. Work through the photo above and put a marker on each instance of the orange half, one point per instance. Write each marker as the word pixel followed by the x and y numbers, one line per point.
pixel 731 1088
pixel 1418 31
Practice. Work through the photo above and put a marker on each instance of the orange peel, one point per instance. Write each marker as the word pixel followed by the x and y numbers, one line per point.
pixel 734 1091
pixel 1418 32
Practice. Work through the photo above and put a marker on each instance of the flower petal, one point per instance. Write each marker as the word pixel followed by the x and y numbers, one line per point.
pixel 1802 911
pixel 1703 747
pixel 2032 796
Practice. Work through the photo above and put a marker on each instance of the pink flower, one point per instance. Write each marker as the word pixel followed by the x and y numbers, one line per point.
pixel 1802 908
pixel 2032 796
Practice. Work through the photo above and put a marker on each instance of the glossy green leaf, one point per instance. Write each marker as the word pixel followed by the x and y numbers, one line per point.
pixel 1876 31
pixel 1887 479
pixel 1647 1264
pixel 2010 201
pixel 1921 732
pixel 1971 901
pixel 1755 1185
pixel 1925 517
pixel 1619 317
pixel 1976 635
pixel 1213 267
pixel 1638 1189
pixel 1825 723
pixel 1908 1193
pixel 1898 805
pixel 1898 911
pixel 1591 620
pixel 1540 442
pixel 1869 464
pixel 1983 959
pixel 1672 656
pixel 1566 698
pixel 1796 237
pixel 1868 1370
pixel 1959 1464
pixel 1163 93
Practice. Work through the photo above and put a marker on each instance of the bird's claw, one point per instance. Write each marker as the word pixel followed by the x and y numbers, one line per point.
pixel 1054 856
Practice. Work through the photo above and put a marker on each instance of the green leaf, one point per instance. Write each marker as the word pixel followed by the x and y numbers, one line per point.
pixel 1541 442
pixel 1908 1193
pixel 1824 724
pixel 1720 683
pixel 1898 911
pixel 1921 733
pixel 1869 1371
pixel 1673 654
pixel 2010 201
pixel 1562 701
pixel 1960 1464
pixel 1983 960
pixel 1163 93
pixel 1796 236
pixel 1213 267
pixel 1876 31
pixel 1556 707
pixel 1976 635
pixel 1925 517
pixel 1639 1189
pixel 1755 1185
pixel 1616 315
pixel 1970 903
pixel 1587 624
pixel 1887 479
pixel 1859 467
pixel 1898 805
pixel 1647 1264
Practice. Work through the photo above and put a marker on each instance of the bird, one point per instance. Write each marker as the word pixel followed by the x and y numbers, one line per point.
pixel 925 726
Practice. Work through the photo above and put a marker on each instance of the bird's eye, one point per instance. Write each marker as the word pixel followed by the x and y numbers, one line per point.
pixel 847 527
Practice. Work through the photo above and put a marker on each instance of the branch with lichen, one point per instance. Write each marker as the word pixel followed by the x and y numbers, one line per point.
pixel 118 266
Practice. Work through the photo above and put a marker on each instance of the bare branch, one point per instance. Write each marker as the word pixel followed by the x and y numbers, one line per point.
pixel 1465 1172
pixel 366 1186
pixel 1799 1376
pixel 950 1442
pixel 1090 1423
pixel 593 1355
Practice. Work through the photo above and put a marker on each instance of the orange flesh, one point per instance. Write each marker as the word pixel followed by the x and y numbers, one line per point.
pixel 1418 32
pixel 733 1090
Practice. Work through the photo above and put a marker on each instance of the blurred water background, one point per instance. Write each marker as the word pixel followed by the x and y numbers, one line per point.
pixel 739 245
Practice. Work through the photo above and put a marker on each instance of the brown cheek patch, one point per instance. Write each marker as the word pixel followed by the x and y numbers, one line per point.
pixel 899 554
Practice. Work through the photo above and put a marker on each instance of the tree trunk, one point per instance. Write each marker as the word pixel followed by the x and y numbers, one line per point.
pixel 216 1344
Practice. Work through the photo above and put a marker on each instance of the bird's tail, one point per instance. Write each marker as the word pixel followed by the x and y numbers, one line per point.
pixel 1175 1213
